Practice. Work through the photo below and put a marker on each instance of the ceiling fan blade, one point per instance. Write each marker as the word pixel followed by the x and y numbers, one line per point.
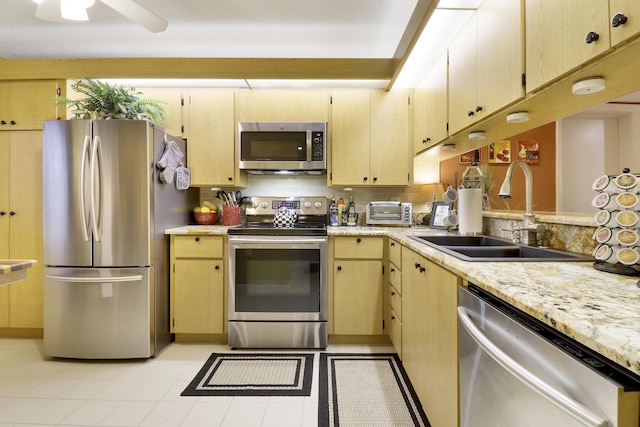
pixel 139 14
pixel 49 10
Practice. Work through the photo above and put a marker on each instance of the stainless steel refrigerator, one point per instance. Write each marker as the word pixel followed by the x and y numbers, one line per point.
pixel 106 288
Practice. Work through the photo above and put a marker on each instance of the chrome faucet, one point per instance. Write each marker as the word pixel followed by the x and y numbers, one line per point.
pixel 529 230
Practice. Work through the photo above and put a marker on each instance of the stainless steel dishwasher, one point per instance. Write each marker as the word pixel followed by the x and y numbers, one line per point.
pixel 515 371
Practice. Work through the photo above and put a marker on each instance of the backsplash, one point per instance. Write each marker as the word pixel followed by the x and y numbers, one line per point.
pixel 421 196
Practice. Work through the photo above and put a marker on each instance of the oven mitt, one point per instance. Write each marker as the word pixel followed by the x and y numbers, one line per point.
pixel 169 161
pixel 183 177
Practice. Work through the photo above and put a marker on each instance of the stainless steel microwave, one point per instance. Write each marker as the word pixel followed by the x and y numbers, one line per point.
pixel 271 147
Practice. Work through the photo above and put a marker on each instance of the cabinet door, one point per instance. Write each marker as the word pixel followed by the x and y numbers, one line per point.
pixel 430 111
pixel 211 148
pixel 390 141
pixel 463 77
pixel 500 54
pixel 357 297
pixel 631 10
pixel 350 137
pixel 287 105
pixel 25 226
pixel 555 37
pixel 4 222
pixel 198 296
pixel 27 104
pixel 171 99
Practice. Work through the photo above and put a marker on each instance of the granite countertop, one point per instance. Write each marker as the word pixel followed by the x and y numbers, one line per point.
pixel 13 270
pixel 598 309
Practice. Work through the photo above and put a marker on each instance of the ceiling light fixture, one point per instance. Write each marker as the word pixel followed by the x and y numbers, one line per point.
pixel 588 85
pixel 477 136
pixel 73 10
pixel 448 147
pixel 518 117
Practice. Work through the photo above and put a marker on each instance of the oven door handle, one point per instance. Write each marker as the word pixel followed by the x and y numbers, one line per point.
pixel 277 240
pixel 559 399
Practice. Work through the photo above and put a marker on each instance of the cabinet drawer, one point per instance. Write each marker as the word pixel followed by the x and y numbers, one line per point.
pixel 395 250
pixel 197 246
pixel 358 247
pixel 395 277
pixel 395 332
pixel 395 300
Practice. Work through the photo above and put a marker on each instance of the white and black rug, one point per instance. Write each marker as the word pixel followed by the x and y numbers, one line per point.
pixel 268 374
pixel 366 390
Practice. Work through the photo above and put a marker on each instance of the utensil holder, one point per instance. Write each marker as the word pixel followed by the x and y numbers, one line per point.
pixel 231 215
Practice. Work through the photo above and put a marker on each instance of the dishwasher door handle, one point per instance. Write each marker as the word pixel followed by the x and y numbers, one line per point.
pixel 559 399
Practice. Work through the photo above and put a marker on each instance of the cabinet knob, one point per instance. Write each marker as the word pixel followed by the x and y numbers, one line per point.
pixel 12 213
pixel 366 178
pixel 375 178
pixel 2 213
pixel 217 267
pixel 478 108
pixel 339 268
pixel 591 37
pixel 393 294
pixel 393 317
pixel 427 139
pixel 229 178
pixel 618 19
pixel 197 239
pixel 358 240
pixel 392 244
pixel 393 270
pixel 13 122
pixel 422 269
pixel 417 265
pixel 470 113
pixel 2 122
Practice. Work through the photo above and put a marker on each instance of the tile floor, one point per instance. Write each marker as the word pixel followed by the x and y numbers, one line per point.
pixel 37 391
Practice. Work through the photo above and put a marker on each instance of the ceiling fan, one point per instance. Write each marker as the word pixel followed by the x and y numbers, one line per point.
pixel 60 10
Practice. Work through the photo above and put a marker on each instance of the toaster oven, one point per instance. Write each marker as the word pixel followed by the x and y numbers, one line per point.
pixel 389 213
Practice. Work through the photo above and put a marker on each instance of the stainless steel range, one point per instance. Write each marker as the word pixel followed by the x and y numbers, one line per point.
pixel 278 276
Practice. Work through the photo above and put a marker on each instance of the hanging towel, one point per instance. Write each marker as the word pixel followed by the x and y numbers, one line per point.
pixel 169 161
pixel 183 177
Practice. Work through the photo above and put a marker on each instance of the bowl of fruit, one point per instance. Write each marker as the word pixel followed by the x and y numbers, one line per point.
pixel 206 214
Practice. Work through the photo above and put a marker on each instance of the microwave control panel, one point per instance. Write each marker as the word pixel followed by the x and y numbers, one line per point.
pixel 317 146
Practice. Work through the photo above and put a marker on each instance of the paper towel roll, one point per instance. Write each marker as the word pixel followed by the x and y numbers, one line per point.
pixel 470 210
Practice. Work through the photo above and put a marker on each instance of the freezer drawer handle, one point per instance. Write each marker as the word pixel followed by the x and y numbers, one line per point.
pixel 74 279
pixel 568 405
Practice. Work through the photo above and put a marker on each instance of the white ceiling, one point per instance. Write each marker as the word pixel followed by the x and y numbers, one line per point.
pixel 213 29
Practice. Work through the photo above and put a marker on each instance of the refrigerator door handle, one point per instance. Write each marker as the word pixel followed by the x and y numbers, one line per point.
pixel 82 189
pixel 96 201
pixel 76 279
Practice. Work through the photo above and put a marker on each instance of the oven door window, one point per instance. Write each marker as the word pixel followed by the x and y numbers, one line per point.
pixel 277 280
pixel 273 146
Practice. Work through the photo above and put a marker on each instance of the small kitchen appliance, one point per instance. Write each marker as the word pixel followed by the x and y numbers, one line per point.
pixel 282 147
pixel 278 270
pixel 389 213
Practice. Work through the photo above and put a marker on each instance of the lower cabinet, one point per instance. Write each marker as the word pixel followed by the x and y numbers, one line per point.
pixel 197 284
pixel 430 336
pixel 357 286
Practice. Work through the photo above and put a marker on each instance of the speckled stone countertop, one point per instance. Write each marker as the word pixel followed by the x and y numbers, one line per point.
pixel 600 310
pixel 12 270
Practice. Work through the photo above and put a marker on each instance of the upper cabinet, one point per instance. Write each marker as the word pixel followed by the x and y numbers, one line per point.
pixel 286 105
pixel 486 63
pixel 370 137
pixel 563 34
pixel 212 134
pixel 430 107
pixel 624 20
pixel 40 105
pixel 171 101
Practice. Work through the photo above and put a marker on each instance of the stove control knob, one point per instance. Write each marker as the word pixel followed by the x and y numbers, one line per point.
pixel 317 205
pixel 254 204
pixel 264 205
pixel 307 205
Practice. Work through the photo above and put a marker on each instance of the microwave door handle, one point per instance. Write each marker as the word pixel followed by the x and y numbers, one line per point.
pixel 574 409
pixel 309 153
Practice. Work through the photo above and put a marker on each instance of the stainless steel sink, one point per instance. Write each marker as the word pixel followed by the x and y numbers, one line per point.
pixel 496 249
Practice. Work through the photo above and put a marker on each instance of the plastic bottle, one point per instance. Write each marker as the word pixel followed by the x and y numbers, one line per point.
pixel 333 212
pixel 340 210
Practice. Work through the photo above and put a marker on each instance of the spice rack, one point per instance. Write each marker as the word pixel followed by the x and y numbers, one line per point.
pixel 617 235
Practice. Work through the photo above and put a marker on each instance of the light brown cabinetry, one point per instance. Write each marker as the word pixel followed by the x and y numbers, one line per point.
pixel 486 62
pixel 561 35
pixel 624 20
pixel 370 142
pixel 20 226
pixel 211 138
pixel 25 105
pixel 429 336
pixel 357 285
pixel 394 293
pixel 197 284
pixel 430 111
pixel 286 105
pixel 171 100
